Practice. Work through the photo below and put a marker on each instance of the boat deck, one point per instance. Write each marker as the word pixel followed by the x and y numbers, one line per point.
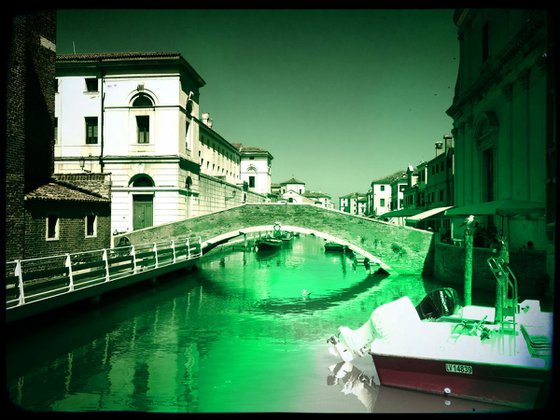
pixel 528 344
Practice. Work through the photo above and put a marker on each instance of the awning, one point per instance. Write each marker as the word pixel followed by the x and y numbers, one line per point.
pixel 498 207
pixel 401 213
pixel 425 214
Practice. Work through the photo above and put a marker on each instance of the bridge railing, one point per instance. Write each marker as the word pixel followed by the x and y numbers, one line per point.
pixel 41 278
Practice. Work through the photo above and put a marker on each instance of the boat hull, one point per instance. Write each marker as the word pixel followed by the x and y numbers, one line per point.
pixel 499 384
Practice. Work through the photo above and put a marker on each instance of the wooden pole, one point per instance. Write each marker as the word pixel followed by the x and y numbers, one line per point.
pixel 468 263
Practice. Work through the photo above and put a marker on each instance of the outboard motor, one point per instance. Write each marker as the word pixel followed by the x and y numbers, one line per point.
pixel 439 302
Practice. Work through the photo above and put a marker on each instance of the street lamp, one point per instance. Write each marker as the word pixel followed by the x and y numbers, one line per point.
pixel 83 164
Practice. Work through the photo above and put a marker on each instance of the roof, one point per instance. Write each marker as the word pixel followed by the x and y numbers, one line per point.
pixel 312 194
pixel 391 178
pixel 118 59
pixel 73 187
pixel 112 56
pixel 356 195
pixel 251 150
pixel 292 181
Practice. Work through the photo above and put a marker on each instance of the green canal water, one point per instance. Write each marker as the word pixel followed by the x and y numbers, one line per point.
pixel 236 334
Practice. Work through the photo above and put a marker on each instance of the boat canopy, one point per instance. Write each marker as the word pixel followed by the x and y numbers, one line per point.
pixel 498 207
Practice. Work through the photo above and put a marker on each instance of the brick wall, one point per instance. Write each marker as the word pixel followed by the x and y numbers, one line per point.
pixel 71 231
pixel 29 118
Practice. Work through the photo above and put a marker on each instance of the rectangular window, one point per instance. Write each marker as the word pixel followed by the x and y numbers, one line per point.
pixel 91 130
pixel 143 125
pixel 52 227
pixel 252 182
pixel 91 226
pixel 382 188
pixel 382 202
pixel 440 195
pixel 91 84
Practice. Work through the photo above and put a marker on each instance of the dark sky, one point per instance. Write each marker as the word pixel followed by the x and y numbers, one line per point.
pixel 338 97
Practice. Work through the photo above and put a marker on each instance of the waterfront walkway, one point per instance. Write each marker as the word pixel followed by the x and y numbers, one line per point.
pixel 37 285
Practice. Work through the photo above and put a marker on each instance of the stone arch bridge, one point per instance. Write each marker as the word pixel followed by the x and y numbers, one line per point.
pixel 398 249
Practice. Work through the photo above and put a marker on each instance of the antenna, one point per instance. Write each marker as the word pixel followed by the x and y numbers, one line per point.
pixel 74 45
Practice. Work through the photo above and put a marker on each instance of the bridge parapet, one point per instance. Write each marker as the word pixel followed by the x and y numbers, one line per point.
pixel 406 250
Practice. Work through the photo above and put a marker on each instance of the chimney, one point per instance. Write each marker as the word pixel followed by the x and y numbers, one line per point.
pixel 206 119
pixel 439 148
pixel 448 139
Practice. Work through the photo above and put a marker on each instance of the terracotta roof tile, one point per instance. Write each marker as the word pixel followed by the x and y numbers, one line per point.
pixel 73 187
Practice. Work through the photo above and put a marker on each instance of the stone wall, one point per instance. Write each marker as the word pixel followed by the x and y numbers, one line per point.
pixel 216 195
pixel 528 266
pixel 406 250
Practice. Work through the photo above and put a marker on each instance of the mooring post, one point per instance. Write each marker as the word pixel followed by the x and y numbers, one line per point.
pixel 501 286
pixel 468 261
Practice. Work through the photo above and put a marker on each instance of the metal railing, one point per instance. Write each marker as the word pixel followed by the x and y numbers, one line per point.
pixel 42 278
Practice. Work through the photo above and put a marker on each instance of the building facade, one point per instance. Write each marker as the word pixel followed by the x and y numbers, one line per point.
pixel 504 119
pixel 380 201
pixel 255 169
pixel 353 203
pixel 70 213
pixel 137 117
pixel 500 118
pixel 46 214
pixel 29 118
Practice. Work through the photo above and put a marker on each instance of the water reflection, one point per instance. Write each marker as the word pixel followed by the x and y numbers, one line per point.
pixel 236 335
pixel 382 399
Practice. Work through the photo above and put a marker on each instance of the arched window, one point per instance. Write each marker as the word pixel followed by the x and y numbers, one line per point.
pixel 142 101
pixel 141 180
pixel 188 183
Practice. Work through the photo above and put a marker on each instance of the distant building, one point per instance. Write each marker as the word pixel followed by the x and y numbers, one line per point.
pixel 430 187
pixel 255 168
pixel 320 199
pixel 380 201
pixel 353 203
pixel 439 188
pixel 292 184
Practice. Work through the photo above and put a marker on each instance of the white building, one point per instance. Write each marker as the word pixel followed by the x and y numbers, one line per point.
pixel 381 195
pixel 255 168
pixel 353 203
pixel 292 184
pixel 320 199
pixel 136 116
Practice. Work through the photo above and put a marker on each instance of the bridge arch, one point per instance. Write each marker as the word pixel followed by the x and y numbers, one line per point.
pixel 224 238
pixel 404 249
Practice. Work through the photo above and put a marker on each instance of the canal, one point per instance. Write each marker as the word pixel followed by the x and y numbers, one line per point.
pixel 236 334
